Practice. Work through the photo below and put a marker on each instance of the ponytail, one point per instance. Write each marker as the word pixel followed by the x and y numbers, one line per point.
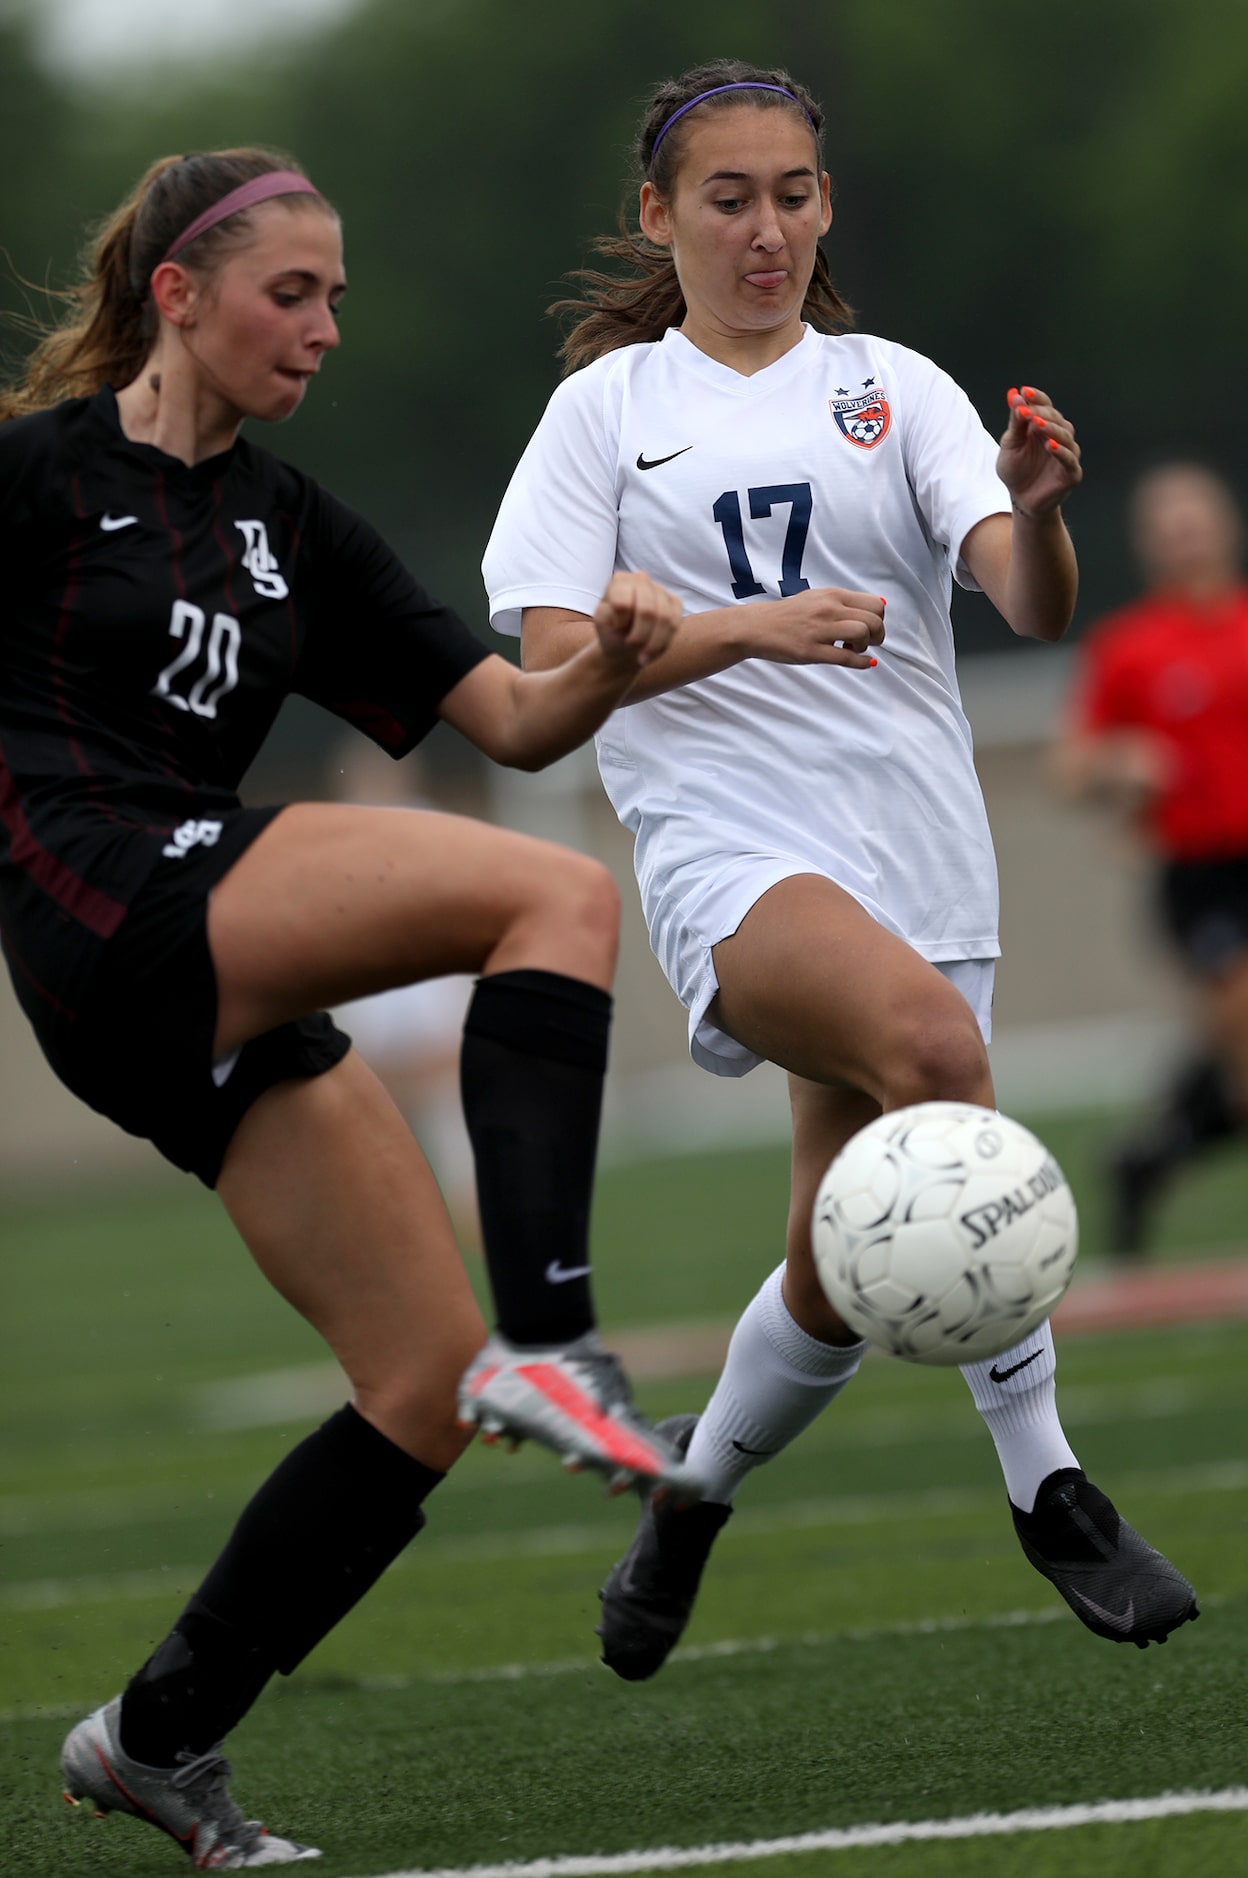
pixel 109 322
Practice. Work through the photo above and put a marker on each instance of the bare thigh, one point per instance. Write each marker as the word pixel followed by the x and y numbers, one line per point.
pixel 812 982
pixel 333 902
pixel 336 1203
pixel 861 1022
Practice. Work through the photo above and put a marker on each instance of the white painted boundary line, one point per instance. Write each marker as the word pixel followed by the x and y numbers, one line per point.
pixel 687 1653
pixel 741 1646
pixel 41 1594
pixel 851 1838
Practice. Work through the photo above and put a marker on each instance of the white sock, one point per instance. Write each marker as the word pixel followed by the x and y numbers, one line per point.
pixel 775 1380
pixel 1016 1395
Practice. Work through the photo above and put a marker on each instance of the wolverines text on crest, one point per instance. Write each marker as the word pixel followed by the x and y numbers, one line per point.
pixel 864 420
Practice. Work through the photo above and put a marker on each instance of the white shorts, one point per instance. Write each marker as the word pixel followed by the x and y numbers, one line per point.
pixel 690 966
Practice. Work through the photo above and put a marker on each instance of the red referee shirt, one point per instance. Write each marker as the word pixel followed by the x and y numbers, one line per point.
pixel 1179 669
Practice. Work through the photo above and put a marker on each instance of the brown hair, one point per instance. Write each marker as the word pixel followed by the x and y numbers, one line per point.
pixel 109 321
pixel 624 309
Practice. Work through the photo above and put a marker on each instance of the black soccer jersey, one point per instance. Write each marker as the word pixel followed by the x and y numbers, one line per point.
pixel 154 618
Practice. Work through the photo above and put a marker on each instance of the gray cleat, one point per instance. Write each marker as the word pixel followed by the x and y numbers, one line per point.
pixel 1113 1581
pixel 190 1801
pixel 574 1398
pixel 648 1597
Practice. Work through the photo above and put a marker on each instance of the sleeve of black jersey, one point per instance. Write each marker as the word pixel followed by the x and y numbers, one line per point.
pixel 379 652
pixel 20 462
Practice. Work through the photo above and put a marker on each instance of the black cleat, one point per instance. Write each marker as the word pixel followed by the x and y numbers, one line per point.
pixel 1112 1579
pixel 648 1597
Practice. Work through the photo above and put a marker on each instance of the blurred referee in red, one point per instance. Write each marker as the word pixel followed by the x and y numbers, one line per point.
pixel 1158 728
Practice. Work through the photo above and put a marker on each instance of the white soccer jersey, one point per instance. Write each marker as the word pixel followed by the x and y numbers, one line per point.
pixel 850 462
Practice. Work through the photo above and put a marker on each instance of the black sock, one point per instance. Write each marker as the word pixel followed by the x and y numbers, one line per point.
pixel 1202 1095
pixel 1199 1111
pixel 534 1057
pixel 308 1545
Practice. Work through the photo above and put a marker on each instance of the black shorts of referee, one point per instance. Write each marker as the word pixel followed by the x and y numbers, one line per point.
pixel 1204 908
pixel 139 1046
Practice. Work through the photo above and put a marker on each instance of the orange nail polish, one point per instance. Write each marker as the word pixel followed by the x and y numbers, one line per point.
pixel 1012 395
pixel 1054 444
pixel 1039 420
pixel 1029 391
pixel 875 661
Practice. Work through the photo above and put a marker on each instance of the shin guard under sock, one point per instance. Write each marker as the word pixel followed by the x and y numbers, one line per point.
pixel 308 1545
pixel 534 1057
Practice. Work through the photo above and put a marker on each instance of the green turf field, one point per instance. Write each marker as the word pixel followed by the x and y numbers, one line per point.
pixel 870 1646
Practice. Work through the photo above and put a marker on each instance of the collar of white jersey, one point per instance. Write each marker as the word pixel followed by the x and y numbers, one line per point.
pixel 742 384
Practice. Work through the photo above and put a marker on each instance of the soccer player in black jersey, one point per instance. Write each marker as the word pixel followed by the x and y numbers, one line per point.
pixel 168 585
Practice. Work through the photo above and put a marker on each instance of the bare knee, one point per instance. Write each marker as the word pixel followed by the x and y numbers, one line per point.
pixel 940 1056
pixel 590 901
pixel 571 922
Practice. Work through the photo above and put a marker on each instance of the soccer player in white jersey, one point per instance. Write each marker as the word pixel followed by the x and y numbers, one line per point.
pixel 811 845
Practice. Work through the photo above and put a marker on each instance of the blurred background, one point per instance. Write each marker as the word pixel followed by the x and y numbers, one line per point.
pixel 1046 194
pixel 1049 195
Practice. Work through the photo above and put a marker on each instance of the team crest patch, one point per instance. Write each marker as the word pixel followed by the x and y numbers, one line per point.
pixel 864 420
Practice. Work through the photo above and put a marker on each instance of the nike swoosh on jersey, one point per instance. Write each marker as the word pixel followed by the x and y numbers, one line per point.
pixel 655 461
pixel 557 1274
pixel 109 522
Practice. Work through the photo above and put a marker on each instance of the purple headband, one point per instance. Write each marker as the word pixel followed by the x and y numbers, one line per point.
pixel 259 189
pixel 740 84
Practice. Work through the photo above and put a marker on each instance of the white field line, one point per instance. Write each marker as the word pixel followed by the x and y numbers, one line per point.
pixel 688 1653
pixel 104 1509
pixel 733 1646
pixel 853 1838
pixel 44 1594
pixel 271 1398
pixel 868 1634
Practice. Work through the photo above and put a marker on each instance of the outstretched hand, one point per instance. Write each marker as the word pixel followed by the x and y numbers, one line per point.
pixel 1039 459
pixel 636 618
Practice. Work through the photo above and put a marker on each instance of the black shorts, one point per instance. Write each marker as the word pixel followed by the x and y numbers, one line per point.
pixel 140 1050
pixel 1204 905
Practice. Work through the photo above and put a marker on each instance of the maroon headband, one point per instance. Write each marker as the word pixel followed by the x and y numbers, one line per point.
pixel 740 84
pixel 259 189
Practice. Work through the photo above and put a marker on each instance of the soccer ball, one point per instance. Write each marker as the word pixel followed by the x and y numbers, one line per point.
pixel 944 1232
